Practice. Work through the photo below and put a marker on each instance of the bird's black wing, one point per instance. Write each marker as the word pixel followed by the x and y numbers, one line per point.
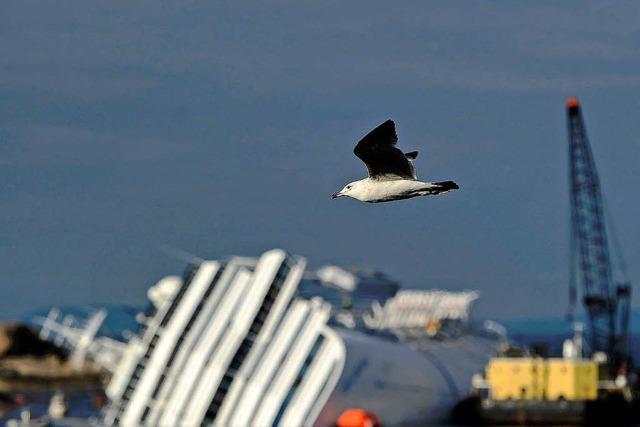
pixel 384 161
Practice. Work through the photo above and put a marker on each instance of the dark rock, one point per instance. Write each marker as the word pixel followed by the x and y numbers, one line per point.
pixel 19 340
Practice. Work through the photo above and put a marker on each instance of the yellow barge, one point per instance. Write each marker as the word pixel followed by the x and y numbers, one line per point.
pixel 535 378
pixel 546 391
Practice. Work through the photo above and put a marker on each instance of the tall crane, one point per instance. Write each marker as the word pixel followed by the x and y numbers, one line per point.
pixel 606 302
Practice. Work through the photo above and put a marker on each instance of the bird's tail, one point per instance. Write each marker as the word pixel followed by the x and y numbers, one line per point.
pixel 444 186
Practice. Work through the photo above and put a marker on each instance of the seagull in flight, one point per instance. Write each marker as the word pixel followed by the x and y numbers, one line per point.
pixel 391 172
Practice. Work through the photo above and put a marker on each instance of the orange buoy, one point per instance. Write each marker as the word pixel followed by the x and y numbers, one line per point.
pixel 356 417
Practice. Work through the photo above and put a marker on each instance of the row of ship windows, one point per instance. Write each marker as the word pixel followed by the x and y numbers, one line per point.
pixel 181 339
pixel 303 370
pixel 238 358
pixel 247 343
pixel 188 277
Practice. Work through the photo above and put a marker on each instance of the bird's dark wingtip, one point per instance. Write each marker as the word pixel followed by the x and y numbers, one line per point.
pixel 448 185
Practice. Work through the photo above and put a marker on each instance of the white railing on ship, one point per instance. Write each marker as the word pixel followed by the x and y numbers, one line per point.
pixel 415 309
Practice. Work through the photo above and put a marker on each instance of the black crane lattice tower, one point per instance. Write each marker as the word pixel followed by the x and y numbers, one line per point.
pixel 606 303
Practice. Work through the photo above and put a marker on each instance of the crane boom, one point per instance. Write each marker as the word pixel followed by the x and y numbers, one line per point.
pixel 606 304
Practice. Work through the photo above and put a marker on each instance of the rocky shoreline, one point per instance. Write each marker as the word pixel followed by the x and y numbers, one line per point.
pixel 28 362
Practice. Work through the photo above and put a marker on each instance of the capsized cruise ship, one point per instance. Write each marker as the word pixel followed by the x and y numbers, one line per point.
pixel 259 342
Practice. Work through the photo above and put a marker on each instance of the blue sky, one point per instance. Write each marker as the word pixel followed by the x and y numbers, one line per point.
pixel 224 128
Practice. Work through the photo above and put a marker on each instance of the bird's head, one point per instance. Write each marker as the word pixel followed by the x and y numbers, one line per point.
pixel 352 189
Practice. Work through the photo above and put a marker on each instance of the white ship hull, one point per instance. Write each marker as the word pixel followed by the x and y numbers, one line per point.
pixel 403 385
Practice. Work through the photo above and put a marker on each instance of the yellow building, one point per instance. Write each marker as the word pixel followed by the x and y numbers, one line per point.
pixel 572 379
pixel 516 378
pixel 537 378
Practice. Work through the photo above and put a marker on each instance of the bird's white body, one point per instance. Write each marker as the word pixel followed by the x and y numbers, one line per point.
pixel 375 190
pixel 391 172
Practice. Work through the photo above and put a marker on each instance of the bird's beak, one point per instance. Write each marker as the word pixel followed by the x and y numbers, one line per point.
pixel 336 195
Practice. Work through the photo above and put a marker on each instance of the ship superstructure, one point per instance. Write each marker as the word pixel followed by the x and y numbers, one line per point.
pixel 231 347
